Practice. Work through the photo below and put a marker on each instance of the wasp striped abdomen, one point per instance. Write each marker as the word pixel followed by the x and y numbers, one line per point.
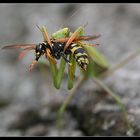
pixel 80 56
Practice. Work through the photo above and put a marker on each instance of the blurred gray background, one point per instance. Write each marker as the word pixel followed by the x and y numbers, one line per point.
pixel 34 94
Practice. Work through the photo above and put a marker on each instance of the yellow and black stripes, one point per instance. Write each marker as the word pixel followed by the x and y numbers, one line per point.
pixel 56 51
pixel 80 56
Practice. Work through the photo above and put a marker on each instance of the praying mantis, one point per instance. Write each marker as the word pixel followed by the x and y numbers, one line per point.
pixel 70 48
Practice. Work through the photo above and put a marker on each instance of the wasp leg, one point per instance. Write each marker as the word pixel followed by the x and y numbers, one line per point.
pixel 65 58
pixel 31 66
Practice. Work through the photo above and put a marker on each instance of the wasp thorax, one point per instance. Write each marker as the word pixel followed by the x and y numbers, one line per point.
pixel 57 49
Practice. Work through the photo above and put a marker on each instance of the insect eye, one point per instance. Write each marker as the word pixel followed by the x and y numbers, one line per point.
pixel 38 48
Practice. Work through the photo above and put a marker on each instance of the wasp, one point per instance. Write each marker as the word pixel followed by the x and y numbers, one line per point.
pixel 54 49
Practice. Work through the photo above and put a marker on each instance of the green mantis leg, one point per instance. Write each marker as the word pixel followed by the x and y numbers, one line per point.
pixel 71 72
pixel 52 64
pixel 60 73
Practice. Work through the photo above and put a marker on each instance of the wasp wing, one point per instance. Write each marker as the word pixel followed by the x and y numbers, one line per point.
pixel 22 54
pixel 20 46
pixel 24 47
pixel 81 38
pixel 87 38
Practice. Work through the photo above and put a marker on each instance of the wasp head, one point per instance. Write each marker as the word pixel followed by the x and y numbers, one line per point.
pixel 38 51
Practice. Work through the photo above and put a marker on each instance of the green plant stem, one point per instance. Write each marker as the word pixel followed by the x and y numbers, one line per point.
pixel 72 94
pixel 120 64
pixel 63 107
pixel 117 99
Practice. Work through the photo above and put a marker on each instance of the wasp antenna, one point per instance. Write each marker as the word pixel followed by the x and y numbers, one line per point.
pixel 38 27
pixel 85 24
pixel 70 17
